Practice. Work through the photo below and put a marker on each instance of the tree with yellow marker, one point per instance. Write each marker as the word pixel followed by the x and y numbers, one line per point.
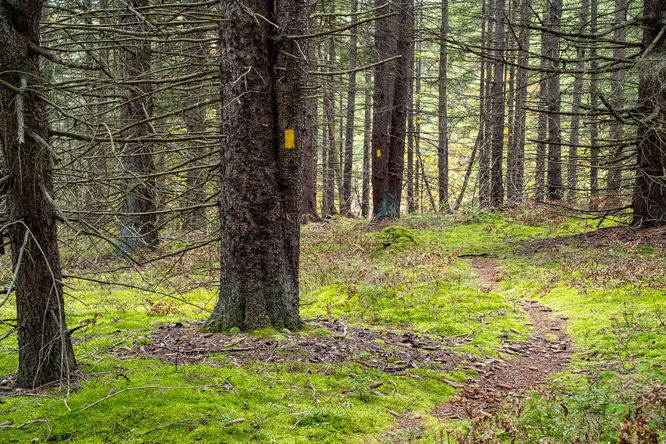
pixel 261 164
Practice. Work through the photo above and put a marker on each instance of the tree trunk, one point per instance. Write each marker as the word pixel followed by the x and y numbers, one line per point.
pixel 411 202
pixel 649 200
pixel 367 147
pixel 484 104
pixel 497 144
pixel 572 167
pixel 555 189
pixel 390 109
pixel 614 178
pixel 309 187
pixel 389 204
pixel 261 165
pixel 516 153
pixel 542 125
pixel 45 349
pixel 329 115
pixel 594 104
pixel 418 189
pixel 194 53
pixel 138 222
pixel 443 143
pixel 345 205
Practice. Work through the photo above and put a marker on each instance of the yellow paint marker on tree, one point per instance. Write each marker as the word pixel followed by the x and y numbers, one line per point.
pixel 379 153
pixel 289 139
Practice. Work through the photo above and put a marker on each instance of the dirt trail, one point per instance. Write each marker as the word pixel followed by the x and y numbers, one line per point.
pixel 526 363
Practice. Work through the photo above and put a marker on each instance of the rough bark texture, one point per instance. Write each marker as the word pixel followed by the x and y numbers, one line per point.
pixel 572 166
pixel 542 125
pixel 390 109
pixel 443 143
pixel 309 182
pixel 45 350
pixel 484 103
pixel 411 201
pixel 418 68
pixel 367 148
pixel 194 53
pixel 345 205
pixel 261 165
pixel 554 186
pixel 614 178
pixel 649 201
pixel 594 103
pixel 138 225
pixel 516 153
pixel 497 144
pixel 329 157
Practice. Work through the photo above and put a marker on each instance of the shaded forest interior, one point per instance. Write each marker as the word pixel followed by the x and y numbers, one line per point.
pixel 223 159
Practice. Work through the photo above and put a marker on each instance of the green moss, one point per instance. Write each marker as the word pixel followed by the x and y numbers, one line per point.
pixel 404 278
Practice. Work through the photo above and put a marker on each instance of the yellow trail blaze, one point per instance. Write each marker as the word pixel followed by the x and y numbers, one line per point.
pixel 289 139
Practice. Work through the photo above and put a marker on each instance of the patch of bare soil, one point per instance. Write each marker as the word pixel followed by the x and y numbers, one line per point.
pixel 392 352
pixel 528 362
pixel 604 237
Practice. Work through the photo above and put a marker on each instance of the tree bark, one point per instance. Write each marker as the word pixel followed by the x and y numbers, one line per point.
pixel 345 205
pixel 497 92
pixel 554 186
pixel 485 105
pixel 542 125
pixel 614 177
pixel 649 200
pixel 261 164
pixel 309 188
pixel 329 157
pixel 572 167
pixel 138 222
pixel 443 143
pixel 390 109
pixel 194 54
pixel 45 349
pixel 367 148
pixel 516 152
pixel 594 104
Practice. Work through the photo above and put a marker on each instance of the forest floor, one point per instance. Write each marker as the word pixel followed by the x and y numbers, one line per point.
pixel 524 327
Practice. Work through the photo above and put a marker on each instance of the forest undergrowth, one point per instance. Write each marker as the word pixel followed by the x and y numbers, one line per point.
pixel 402 324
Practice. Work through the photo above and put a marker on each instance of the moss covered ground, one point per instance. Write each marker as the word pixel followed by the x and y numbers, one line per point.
pixel 408 276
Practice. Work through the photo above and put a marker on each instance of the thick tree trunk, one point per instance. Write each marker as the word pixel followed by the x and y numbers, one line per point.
pixel 443 143
pixel 497 92
pixel 516 152
pixel 345 205
pixel 572 167
pixel 45 350
pixel 261 165
pixel 555 189
pixel 649 200
pixel 138 223
pixel 194 53
pixel 614 178
pixel 390 109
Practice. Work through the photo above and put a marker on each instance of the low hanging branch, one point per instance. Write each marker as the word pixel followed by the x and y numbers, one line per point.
pixel 55 59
